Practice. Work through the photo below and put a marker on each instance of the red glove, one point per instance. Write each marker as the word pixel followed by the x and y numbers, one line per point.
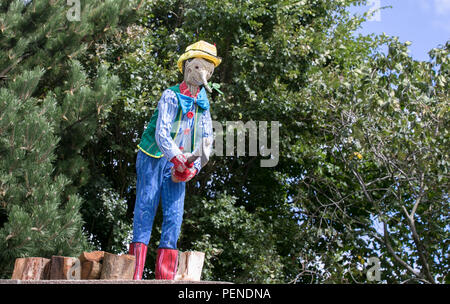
pixel 185 176
pixel 180 163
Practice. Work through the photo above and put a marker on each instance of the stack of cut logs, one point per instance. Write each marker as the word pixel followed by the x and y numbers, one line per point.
pixel 98 265
pixel 89 266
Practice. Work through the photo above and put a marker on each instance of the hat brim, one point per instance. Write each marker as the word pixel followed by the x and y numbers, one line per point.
pixel 197 54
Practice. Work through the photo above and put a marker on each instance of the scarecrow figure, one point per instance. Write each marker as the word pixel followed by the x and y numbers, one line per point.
pixel 174 147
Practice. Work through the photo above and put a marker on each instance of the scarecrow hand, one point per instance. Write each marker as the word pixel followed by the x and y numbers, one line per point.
pixel 180 163
pixel 185 176
pixel 191 158
pixel 192 173
pixel 173 176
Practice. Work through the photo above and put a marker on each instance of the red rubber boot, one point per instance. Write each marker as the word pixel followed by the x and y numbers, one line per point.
pixel 139 250
pixel 166 264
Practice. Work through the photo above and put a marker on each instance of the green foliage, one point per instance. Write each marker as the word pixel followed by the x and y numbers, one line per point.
pixel 231 237
pixel 363 166
pixel 352 120
pixel 49 110
pixel 31 197
pixel 107 211
pixel 267 48
pixel 378 166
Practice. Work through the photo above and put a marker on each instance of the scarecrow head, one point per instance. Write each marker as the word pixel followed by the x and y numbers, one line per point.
pixel 198 62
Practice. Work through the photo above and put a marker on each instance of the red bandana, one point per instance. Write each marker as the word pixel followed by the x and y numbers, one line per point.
pixel 185 90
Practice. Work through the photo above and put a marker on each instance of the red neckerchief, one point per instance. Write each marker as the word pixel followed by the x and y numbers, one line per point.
pixel 185 90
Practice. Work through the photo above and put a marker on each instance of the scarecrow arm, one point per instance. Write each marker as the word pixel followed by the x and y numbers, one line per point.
pixel 167 111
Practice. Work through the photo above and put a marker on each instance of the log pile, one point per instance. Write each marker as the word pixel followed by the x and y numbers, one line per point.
pixel 99 265
pixel 88 266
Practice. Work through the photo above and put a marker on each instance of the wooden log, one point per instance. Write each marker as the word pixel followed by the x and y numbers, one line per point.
pixel 64 268
pixel 190 265
pixel 91 265
pixel 118 267
pixel 33 268
pixel 96 256
pixel 91 270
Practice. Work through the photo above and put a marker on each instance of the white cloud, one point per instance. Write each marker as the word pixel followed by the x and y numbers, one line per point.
pixel 442 7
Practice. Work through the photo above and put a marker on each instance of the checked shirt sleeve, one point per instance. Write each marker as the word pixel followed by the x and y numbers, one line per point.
pixel 207 134
pixel 167 111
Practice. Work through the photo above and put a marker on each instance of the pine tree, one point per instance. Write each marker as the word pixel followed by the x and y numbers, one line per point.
pixel 49 109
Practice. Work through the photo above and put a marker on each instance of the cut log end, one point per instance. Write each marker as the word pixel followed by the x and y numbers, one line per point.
pixel 94 256
pixel 190 266
pixel 33 268
pixel 118 267
pixel 91 265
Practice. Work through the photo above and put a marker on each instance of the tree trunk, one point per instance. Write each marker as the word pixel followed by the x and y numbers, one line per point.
pixel 190 266
pixel 64 268
pixel 31 269
pixel 91 265
pixel 118 267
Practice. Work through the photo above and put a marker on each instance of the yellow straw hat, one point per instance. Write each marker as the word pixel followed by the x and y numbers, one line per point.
pixel 200 49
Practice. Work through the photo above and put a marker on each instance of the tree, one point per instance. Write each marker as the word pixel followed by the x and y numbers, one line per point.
pixel 49 110
pixel 380 175
pixel 266 48
pixel 352 120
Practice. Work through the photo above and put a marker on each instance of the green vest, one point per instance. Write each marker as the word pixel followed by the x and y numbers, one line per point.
pixel 148 143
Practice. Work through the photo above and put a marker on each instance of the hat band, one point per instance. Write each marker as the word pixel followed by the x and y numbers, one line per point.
pixel 204 52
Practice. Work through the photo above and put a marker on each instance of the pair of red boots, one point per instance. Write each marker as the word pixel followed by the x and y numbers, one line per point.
pixel 166 261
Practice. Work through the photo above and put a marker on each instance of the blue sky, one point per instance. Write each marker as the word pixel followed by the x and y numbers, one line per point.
pixel 426 23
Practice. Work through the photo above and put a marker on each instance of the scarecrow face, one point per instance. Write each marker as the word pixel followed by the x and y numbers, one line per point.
pixel 198 71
